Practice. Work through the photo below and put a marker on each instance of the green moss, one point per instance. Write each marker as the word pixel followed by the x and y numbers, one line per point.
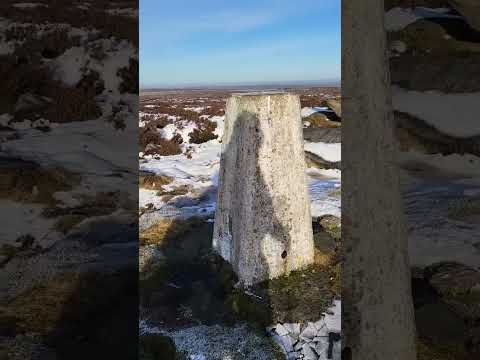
pixel 298 297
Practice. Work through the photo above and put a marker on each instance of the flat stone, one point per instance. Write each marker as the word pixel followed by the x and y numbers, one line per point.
pixel 298 346
pixel 309 332
pixel 321 328
pixel 337 350
pixel 309 353
pixel 281 330
pixel 287 343
pixel 293 356
pixel 320 338
pixel 293 329
pixel 322 349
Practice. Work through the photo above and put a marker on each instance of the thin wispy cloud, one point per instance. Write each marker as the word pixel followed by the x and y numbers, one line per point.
pixel 201 40
pixel 222 21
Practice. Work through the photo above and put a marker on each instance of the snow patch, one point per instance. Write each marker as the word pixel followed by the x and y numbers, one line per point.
pixel 453 114
pixel 328 151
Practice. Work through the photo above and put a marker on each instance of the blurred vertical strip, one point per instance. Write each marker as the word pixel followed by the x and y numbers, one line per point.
pixel 69 179
pixel 377 318
pixel 434 60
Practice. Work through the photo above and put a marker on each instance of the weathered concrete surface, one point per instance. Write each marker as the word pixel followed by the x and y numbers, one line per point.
pixel 263 222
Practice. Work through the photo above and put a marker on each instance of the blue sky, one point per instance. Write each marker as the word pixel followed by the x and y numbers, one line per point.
pixel 192 42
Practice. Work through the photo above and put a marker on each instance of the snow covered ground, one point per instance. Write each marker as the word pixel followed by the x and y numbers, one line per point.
pixel 200 174
pixel 308 341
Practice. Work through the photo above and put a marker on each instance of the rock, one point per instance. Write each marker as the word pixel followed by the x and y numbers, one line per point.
pixel 281 330
pixel 298 346
pixel 398 46
pixel 308 353
pixel 335 105
pixel 433 72
pixel 321 348
pixel 293 356
pixel 325 135
pixel 286 342
pixel 320 120
pixel 459 287
pixel 453 279
pixel 331 224
pixel 28 101
pixel 313 160
pixel 414 134
pixel 293 329
pixel 41 123
pixel 470 9
pixel 433 37
pixel 5 119
pixel 309 332
pixel 337 350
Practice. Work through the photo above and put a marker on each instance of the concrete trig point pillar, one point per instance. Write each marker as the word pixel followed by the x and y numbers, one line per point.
pixel 263 225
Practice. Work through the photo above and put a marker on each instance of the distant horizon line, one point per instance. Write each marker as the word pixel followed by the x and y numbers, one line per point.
pixel 326 82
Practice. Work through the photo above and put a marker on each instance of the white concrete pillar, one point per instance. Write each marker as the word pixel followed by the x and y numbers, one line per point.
pixel 263 225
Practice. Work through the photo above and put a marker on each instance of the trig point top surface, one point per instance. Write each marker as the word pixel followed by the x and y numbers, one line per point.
pixel 261 93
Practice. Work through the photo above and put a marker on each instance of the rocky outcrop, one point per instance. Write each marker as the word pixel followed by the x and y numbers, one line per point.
pixel 415 134
pixel 436 54
pixel 335 105
pixel 325 135
pixel 433 72
pixel 313 160
pixel 459 287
